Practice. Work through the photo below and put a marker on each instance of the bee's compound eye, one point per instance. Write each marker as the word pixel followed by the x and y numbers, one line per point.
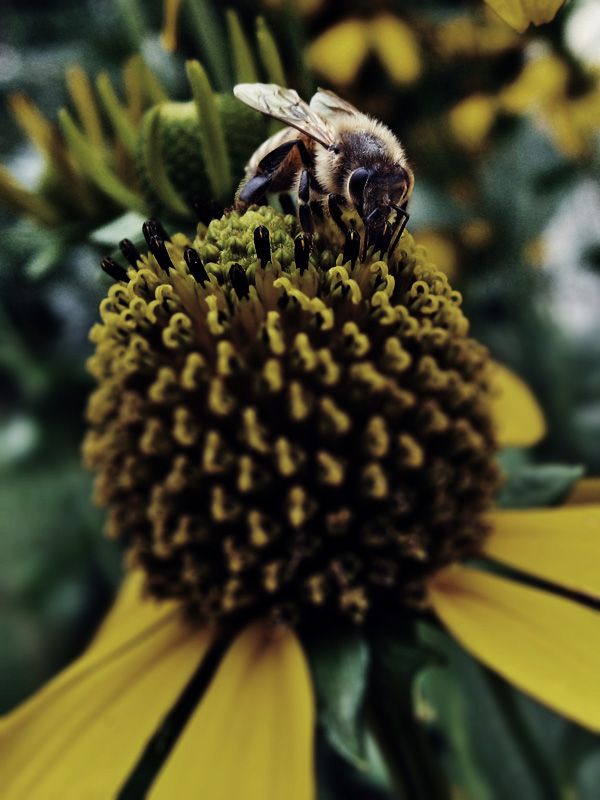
pixel 356 185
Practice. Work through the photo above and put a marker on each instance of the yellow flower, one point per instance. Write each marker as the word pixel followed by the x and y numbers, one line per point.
pixel 462 36
pixel 471 120
pixel 521 13
pixel 282 435
pixel 339 52
pixel 542 91
pixel 441 250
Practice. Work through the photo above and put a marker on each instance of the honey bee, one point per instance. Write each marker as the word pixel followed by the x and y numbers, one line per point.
pixel 331 155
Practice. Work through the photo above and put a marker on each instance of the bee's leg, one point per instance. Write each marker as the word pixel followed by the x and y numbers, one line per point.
pixel 334 204
pixel 253 191
pixel 384 238
pixel 287 204
pixel 316 206
pixel 374 227
pixel 268 167
pixel 304 210
pixel 402 217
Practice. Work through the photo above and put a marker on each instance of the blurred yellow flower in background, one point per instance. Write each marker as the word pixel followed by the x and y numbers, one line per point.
pixel 471 121
pixel 542 91
pixel 485 35
pixel 339 53
pixel 440 249
pixel 521 13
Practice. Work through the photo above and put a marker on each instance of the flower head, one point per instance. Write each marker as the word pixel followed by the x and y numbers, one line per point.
pixel 280 428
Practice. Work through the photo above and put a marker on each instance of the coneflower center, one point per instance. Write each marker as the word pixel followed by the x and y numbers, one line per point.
pixel 279 427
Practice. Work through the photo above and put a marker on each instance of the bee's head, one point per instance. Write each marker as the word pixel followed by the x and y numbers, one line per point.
pixel 371 189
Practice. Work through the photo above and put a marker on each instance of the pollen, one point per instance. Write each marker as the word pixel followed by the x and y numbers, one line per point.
pixel 281 436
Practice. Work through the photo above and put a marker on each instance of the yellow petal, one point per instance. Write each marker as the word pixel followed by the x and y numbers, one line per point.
pixel 547 646
pixel 251 738
pixel 397 47
pixel 128 616
pixel 519 420
pixel 80 736
pixel 520 13
pixel 339 52
pixel 561 545
pixel 584 492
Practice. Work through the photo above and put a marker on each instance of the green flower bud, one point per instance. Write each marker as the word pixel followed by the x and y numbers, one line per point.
pixel 180 148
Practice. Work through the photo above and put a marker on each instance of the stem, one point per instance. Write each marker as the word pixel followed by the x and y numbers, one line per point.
pixel 506 701
pixel 414 769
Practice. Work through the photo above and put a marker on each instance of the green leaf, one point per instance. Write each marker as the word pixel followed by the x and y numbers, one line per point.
pixel 207 29
pixel 533 485
pixel 269 54
pixel 243 62
pixel 339 660
pixel 46 257
pixel 492 751
pixel 91 163
pixel 271 62
pixel 117 113
pixel 577 745
pixel 401 657
pixel 127 226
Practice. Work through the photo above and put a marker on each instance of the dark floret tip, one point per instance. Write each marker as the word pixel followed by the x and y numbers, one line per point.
pixel 195 265
pixel 158 248
pixel 262 245
pixel 113 269
pixel 153 228
pixel 130 252
pixel 301 251
pixel 239 281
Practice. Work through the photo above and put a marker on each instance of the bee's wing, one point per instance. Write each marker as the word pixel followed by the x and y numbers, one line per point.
pixel 286 106
pixel 328 103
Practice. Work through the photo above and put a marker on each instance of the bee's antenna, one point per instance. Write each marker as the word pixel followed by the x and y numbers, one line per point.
pixel 385 237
